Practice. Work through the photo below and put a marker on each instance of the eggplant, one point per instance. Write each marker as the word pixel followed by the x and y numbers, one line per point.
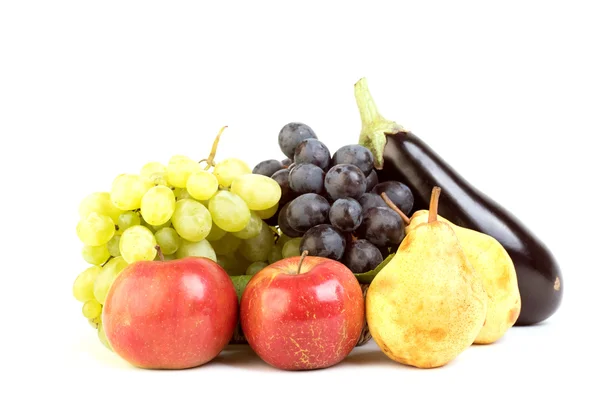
pixel 402 156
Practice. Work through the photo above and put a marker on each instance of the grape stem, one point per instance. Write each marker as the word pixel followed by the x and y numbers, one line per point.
pixel 387 200
pixel 160 253
pixel 106 262
pixel 210 161
pixel 304 254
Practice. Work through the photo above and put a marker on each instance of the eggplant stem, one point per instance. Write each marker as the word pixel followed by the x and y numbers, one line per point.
pixel 374 125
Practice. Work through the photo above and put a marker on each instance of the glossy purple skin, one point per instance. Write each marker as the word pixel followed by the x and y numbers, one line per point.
pixel 345 180
pixel 323 241
pixel 355 154
pixel 306 178
pixel 345 215
pixel 312 151
pixel 361 256
pixel 291 135
pixel 306 211
pixel 410 160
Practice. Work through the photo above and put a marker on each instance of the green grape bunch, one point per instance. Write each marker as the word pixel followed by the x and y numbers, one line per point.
pixel 168 211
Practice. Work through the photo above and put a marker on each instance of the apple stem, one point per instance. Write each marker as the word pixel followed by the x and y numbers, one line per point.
pixel 304 254
pixel 210 161
pixel 391 205
pixel 160 253
pixel 433 204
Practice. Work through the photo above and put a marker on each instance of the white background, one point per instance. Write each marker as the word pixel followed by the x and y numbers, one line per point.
pixel 508 94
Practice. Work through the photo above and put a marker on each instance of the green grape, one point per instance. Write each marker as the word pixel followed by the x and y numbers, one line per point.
pixel 232 264
pixel 158 205
pixel 95 255
pixel 99 202
pixel 229 211
pixel 91 309
pixel 95 322
pixel 83 287
pixel 102 336
pixel 191 220
pixel 216 233
pixel 127 191
pixel 258 191
pixel 269 212
pixel 229 169
pixel 107 276
pixel 128 219
pixel 201 248
pixel 227 244
pixel 168 240
pixel 157 228
pixel 202 185
pixel 113 246
pixel 181 194
pixel 137 244
pixel 291 248
pixel 95 229
pixel 276 253
pixel 155 172
pixel 258 247
pixel 179 170
pixel 252 228
pixel 283 239
pixel 255 267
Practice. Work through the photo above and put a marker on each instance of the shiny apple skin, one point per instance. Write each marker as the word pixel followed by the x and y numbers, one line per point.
pixel 170 314
pixel 305 321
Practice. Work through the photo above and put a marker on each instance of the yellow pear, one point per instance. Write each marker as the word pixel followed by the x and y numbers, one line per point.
pixel 494 265
pixel 428 304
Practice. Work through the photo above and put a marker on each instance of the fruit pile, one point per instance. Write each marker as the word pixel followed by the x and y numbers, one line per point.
pixel 174 211
pixel 182 254
pixel 331 205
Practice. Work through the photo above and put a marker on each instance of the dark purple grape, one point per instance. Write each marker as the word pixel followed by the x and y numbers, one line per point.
pixel 381 226
pixel 355 154
pixel 312 151
pixel 399 194
pixel 370 200
pixel 372 180
pixel 282 177
pixel 291 135
pixel 323 241
pixel 345 180
pixel 286 163
pixel 361 256
pixel 291 166
pixel 306 211
pixel 284 225
pixel 267 167
pixel 306 178
pixel 345 215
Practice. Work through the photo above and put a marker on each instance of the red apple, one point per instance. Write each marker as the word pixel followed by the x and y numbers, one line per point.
pixel 302 320
pixel 170 314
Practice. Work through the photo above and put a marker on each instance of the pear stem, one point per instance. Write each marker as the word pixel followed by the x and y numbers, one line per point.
pixel 160 253
pixel 304 254
pixel 396 209
pixel 210 161
pixel 433 204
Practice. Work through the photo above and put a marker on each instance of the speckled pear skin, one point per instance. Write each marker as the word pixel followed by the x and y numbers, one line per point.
pixel 497 270
pixel 428 304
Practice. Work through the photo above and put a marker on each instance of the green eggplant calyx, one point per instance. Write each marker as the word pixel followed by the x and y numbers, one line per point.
pixel 374 126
